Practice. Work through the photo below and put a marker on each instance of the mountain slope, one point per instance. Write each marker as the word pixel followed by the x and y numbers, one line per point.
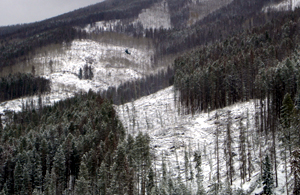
pixel 173 133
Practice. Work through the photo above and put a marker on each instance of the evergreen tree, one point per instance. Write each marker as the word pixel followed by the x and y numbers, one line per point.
pixel 82 183
pixel 47 183
pixel 53 186
pixel 102 179
pixel 295 163
pixel 267 177
pixel 18 178
pixel 119 181
pixel 80 74
pixel 214 188
pixel 186 164
pixel 4 190
pixel 142 159
pixel 59 166
pixel 150 185
pixel 1 126
pixel 242 152
pixel 229 150
pixel 199 174
pixel 27 184
pixel 286 117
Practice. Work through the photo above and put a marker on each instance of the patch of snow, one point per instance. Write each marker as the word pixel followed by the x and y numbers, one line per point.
pixel 155 17
pixel 283 6
pixel 109 25
pixel 201 8
pixel 109 63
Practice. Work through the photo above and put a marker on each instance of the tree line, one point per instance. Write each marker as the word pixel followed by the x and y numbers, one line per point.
pixel 242 67
pixel 132 90
pixel 19 85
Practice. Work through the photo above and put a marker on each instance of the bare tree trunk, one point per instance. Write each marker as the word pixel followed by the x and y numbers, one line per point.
pixel 249 158
pixel 274 151
pixel 286 174
pixel 217 150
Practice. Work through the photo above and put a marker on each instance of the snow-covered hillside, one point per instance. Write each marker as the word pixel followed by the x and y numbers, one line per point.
pixel 155 17
pixel 284 5
pixel 110 65
pixel 201 8
pixel 158 16
pixel 172 133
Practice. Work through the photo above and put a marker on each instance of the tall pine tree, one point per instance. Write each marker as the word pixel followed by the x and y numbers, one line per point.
pixel 268 181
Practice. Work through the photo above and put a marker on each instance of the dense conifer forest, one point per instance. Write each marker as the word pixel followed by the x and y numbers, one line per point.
pixel 79 140
pixel 19 85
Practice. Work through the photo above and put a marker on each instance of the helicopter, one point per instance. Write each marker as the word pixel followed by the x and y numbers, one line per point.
pixel 126 51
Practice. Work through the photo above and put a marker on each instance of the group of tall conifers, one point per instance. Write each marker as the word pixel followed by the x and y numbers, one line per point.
pixel 76 146
pixel 20 85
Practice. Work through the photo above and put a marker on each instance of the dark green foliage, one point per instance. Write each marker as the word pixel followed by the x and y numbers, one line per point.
pixel 229 71
pixel 287 109
pixel 80 74
pixel 267 177
pixel 82 183
pixel 133 90
pixel 76 145
pixel 295 163
pixel 50 145
pixel 199 173
pixel 18 85
pixel 150 185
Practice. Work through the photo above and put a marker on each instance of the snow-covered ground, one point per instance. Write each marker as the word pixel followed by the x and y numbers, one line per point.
pixel 284 5
pixel 155 17
pixel 158 16
pixel 110 65
pixel 172 133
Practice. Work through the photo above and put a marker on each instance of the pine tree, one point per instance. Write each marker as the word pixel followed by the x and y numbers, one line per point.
pixel 102 179
pixel 295 163
pixel 249 148
pixel 267 177
pixel 119 181
pixel 80 74
pixel 1 126
pixel 242 152
pixel 186 165
pixel 53 187
pixel 47 183
pixel 229 151
pixel 142 159
pixel 199 174
pixel 217 148
pixel 27 184
pixel 286 117
pixel 82 183
pixel 18 178
pixel 59 166
pixel 150 185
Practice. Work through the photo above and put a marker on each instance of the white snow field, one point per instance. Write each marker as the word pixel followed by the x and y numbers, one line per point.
pixel 110 65
pixel 172 133
pixel 284 5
